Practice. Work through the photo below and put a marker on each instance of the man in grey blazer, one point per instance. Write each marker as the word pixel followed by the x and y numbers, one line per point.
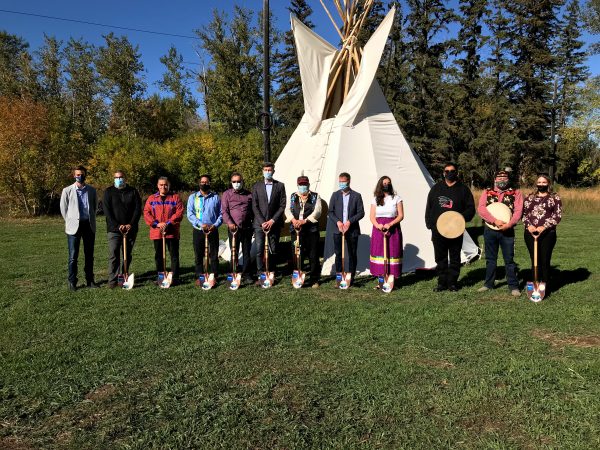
pixel 78 204
pixel 268 205
pixel 345 211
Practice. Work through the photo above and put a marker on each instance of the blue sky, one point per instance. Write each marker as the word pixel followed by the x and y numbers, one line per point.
pixel 177 17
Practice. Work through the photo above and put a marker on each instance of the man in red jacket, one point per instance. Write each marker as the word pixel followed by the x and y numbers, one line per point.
pixel 163 212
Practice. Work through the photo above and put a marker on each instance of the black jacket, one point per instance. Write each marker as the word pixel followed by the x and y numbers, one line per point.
pixel 122 207
pixel 442 198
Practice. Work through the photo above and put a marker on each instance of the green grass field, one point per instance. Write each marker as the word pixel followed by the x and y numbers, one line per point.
pixel 283 368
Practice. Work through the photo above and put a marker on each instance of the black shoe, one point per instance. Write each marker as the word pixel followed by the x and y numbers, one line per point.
pixel 92 285
pixel 248 280
pixel 112 285
pixel 440 288
pixel 453 288
pixel 72 286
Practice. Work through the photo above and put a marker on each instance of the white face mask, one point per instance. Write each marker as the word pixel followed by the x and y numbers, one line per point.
pixel 267 175
pixel 302 189
pixel 236 186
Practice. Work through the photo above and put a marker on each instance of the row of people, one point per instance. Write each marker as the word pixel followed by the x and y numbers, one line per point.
pixel 261 213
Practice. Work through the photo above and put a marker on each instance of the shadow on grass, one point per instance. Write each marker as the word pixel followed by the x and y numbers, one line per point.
pixel 560 278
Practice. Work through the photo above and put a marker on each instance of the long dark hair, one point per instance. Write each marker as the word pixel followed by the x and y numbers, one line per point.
pixel 379 194
pixel 548 179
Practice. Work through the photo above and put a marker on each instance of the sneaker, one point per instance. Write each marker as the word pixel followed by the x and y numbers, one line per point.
pixel 72 286
pixel 515 293
pixel 92 285
pixel 483 289
pixel 315 285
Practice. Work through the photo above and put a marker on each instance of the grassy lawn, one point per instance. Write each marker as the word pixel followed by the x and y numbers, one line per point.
pixel 283 368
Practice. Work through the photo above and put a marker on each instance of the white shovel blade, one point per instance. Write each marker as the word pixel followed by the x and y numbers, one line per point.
pixel 209 282
pixel 166 282
pixel 128 283
pixel 298 279
pixel 236 280
pixel 268 278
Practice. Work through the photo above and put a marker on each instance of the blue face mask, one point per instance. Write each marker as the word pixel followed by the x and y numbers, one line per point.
pixel 80 178
pixel 302 189
pixel 267 175
pixel 343 186
pixel 119 183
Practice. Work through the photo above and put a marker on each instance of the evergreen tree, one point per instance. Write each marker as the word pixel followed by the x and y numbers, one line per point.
pixel 534 24
pixel 233 79
pixel 571 69
pixel 425 117
pixel 288 103
pixel 11 49
pixel 119 65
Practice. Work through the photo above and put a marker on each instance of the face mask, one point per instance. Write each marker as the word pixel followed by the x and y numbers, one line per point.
pixel 542 187
pixel 267 175
pixel 302 189
pixel 343 186
pixel 205 187
pixel 80 179
pixel 119 183
pixel 451 176
pixel 502 185
pixel 236 186
pixel 386 188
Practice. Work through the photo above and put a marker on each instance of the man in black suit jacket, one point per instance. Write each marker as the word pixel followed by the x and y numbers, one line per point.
pixel 268 205
pixel 345 211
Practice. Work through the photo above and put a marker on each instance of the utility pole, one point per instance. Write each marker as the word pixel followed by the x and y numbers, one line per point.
pixel 265 116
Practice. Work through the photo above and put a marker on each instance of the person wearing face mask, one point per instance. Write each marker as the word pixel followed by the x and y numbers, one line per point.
pixel 204 213
pixel 268 206
pixel 236 207
pixel 78 204
pixel 504 237
pixel 123 208
pixel 387 211
pixel 345 211
pixel 542 212
pixel 163 213
pixel 450 194
pixel 303 213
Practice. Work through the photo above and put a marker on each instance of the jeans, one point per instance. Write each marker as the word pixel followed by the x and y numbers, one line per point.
pixel 73 241
pixel 115 254
pixel 172 245
pixel 198 239
pixel 506 241
pixel 351 256
pixel 447 271
pixel 259 239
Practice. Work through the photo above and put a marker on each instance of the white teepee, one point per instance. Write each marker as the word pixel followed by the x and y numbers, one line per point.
pixel 362 139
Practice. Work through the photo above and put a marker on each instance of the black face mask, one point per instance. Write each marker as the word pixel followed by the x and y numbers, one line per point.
pixel 386 188
pixel 205 187
pixel 542 187
pixel 451 176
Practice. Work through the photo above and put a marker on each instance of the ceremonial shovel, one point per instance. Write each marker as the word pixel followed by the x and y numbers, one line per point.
pixel 165 278
pixel 234 279
pixel 267 277
pixel 207 280
pixel 128 279
pixel 535 290
pixel 298 276
pixel 343 279
pixel 386 282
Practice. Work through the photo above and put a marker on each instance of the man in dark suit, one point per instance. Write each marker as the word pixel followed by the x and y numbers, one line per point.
pixel 345 211
pixel 268 205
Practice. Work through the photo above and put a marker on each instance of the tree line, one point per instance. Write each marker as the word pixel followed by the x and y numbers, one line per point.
pixel 492 84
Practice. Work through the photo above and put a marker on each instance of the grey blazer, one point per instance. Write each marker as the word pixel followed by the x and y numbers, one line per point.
pixel 69 208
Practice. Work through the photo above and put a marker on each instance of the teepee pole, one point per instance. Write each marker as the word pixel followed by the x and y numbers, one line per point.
pixel 331 18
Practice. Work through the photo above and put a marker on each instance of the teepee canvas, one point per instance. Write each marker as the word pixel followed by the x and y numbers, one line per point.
pixel 361 137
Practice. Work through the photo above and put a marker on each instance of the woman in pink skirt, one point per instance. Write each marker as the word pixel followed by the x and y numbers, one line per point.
pixel 386 214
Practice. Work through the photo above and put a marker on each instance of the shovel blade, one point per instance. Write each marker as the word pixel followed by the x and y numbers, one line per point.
pixel 298 278
pixel 209 281
pixel 267 279
pixel 234 280
pixel 128 283
pixel 167 280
